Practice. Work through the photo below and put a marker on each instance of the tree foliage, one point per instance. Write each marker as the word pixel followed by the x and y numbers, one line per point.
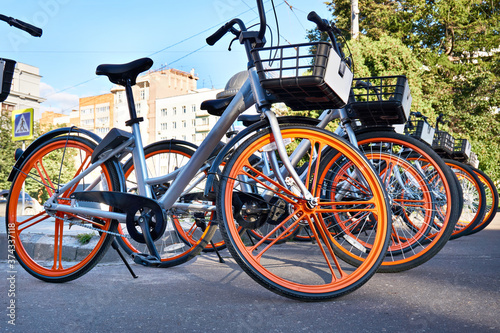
pixel 450 52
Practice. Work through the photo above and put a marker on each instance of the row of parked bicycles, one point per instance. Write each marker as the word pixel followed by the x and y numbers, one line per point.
pixel 307 212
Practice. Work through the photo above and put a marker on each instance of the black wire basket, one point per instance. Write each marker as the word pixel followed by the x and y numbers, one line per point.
pixel 462 150
pixel 307 76
pixel 443 144
pixel 380 100
pixel 6 73
pixel 422 131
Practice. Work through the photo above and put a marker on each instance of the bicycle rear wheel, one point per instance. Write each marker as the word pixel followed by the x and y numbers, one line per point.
pixel 474 199
pixel 187 234
pixel 46 244
pixel 491 201
pixel 434 180
pixel 307 271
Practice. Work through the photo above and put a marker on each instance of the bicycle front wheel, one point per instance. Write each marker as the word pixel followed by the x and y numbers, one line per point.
pixel 67 245
pixel 250 196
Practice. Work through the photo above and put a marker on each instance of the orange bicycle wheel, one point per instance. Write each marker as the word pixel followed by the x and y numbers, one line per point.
pixel 411 197
pixel 437 183
pixel 312 270
pixel 474 199
pixel 47 244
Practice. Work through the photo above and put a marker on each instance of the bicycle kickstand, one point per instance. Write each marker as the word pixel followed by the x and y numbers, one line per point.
pixel 115 246
pixel 221 260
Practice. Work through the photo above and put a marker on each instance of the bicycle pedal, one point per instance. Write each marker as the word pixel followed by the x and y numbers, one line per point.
pixel 146 260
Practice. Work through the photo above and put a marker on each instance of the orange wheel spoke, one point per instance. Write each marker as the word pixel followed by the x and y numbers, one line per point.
pixel 278 187
pixel 34 220
pixel 58 244
pixel 44 177
pixel 275 239
pixel 325 236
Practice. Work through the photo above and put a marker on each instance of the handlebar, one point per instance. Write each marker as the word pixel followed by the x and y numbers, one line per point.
pixel 242 33
pixel 322 24
pixel 31 29
pixel 214 38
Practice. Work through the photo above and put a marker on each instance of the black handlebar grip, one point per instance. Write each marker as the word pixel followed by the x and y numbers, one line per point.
pixel 214 38
pixel 321 23
pixel 31 29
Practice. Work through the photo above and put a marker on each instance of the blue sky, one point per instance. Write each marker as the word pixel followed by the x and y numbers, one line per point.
pixel 78 35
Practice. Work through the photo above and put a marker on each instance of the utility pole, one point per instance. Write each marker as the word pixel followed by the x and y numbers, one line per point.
pixel 354 19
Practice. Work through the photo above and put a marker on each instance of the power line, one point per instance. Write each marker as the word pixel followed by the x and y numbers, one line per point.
pixel 154 53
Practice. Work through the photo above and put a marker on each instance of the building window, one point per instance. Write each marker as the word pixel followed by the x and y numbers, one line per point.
pixel 164 126
pixel 184 109
pixel 174 109
pixel 174 125
pixel 204 121
pixel 193 107
pixel 102 121
pixel 184 124
pixel 102 109
pixel 88 122
pixel 164 112
pixel 143 94
pixel 194 138
pixel 87 110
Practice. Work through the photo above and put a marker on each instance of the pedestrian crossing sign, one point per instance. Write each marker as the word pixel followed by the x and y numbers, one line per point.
pixel 22 124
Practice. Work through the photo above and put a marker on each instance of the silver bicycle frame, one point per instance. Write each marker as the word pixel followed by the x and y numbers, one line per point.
pixel 181 177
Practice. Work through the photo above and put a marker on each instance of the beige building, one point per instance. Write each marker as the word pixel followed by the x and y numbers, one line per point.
pixel 96 113
pixel 50 119
pixel 151 87
pixel 101 113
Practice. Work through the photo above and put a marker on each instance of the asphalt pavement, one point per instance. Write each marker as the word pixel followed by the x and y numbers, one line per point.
pixel 456 291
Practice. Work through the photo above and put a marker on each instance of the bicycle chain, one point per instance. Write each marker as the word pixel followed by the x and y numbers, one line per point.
pixel 71 222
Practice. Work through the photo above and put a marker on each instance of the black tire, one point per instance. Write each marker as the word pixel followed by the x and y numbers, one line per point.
pixel 491 201
pixel 445 194
pixel 63 263
pixel 474 199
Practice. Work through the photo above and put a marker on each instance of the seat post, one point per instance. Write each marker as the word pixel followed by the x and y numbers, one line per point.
pixel 131 105
pixel 138 157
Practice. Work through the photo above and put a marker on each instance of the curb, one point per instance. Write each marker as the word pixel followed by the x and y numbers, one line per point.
pixel 43 248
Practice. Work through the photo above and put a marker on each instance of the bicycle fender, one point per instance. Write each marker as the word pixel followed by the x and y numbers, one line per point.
pixel 42 140
pixel 214 169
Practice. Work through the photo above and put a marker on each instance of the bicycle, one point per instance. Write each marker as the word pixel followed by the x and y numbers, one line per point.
pixel 473 191
pixel 436 212
pixel 105 200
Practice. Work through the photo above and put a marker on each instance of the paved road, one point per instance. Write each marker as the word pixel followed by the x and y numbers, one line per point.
pixel 457 291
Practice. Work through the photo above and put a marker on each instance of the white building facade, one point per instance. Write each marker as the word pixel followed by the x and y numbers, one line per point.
pixel 180 117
